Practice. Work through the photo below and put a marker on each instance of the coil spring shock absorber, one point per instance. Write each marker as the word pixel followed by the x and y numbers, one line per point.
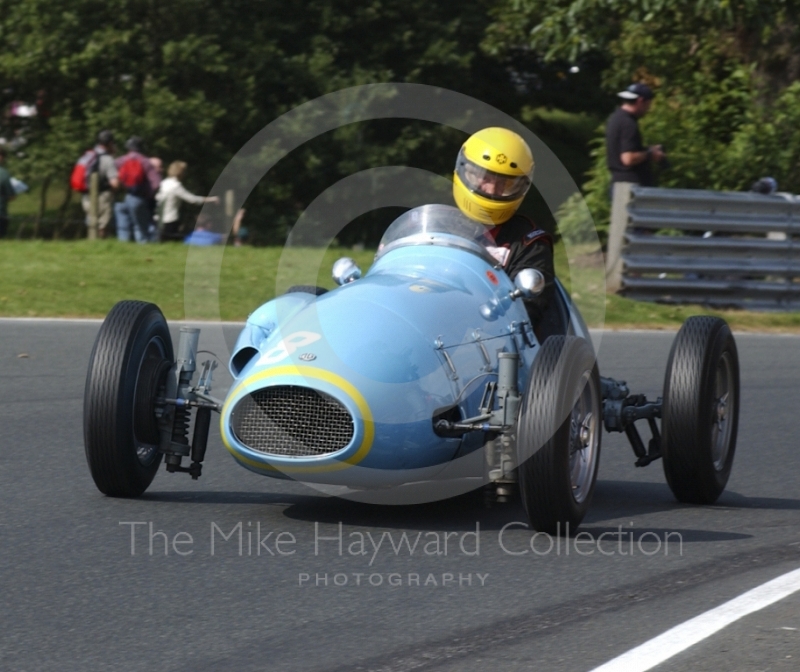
pixel 180 426
pixel 185 367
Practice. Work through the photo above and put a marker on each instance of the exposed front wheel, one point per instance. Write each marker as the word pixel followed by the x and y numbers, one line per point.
pixel 131 358
pixel 701 410
pixel 558 435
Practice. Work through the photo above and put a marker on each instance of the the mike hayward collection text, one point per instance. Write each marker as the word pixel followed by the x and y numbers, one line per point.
pixel 254 539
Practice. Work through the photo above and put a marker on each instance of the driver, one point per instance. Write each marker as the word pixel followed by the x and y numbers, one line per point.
pixel 493 173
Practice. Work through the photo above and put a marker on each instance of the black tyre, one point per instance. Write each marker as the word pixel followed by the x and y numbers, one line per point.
pixel 558 435
pixel 307 289
pixel 700 415
pixel 129 364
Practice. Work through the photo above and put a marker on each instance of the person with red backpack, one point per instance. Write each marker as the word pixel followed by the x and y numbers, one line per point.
pixel 98 160
pixel 140 179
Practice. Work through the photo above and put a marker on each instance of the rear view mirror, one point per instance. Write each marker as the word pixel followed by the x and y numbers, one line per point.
pixel 529 282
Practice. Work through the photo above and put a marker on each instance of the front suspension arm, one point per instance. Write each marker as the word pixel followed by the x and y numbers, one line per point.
pixel 621 410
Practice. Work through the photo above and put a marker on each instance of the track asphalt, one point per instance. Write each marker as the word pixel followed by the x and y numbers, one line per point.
pixel 76 595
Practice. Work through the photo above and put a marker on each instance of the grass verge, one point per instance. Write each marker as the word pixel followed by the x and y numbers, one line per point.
pixel 85 279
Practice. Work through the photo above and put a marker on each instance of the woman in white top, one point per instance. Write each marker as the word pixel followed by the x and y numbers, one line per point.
pixel 169 197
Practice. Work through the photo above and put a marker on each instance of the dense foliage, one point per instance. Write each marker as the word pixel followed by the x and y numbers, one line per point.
pixel 725 74
pixel 197 79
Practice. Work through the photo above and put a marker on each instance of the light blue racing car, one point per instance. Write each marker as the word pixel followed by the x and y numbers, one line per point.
pixel 423 379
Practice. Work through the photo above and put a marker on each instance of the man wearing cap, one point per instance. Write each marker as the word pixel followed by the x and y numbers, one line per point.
pixel 627 158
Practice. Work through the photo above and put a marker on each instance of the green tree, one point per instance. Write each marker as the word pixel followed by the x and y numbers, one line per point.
pixel 198 78
pixel 723 71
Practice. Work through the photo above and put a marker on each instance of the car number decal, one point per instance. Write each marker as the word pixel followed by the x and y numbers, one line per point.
pixel 287 346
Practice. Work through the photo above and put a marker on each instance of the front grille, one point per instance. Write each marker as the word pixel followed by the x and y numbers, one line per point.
pixel 293 421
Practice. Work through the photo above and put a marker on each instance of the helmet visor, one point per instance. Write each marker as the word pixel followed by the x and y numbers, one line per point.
pixel 491 185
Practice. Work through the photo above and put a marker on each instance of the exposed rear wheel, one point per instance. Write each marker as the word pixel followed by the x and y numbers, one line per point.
pixel 701 410
pixel 128 367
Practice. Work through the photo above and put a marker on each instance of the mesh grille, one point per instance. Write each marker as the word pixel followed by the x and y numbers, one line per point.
pixel 293 421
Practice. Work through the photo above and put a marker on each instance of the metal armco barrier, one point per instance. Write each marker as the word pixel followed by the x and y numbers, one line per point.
pixel 723 249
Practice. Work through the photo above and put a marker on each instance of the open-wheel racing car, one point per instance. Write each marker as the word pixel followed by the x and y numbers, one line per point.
pixel 426 370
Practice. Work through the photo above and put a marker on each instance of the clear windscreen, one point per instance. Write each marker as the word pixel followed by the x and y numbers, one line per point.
pixel 436 224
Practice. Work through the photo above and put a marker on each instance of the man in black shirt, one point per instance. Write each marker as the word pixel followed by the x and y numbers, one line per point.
pixel 627 158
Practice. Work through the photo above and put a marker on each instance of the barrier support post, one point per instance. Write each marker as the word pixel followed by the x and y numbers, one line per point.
pixel 229 196
pixel 616 235
pixel 94 205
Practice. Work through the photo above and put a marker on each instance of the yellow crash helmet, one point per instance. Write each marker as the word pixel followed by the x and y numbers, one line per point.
pixel 493 173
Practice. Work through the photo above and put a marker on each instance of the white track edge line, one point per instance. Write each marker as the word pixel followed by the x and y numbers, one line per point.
pixel 681 637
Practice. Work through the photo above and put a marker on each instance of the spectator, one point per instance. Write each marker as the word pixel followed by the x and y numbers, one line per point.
pixel 141 181
pixel 6 192
pixel 768 186
pixel 108 182
pixel 19 186
pixel 158 165
pixel 627 158
pixel 238 231
pixel 169 198
pixel 202 234
pixel 152 231
pixel 765 185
